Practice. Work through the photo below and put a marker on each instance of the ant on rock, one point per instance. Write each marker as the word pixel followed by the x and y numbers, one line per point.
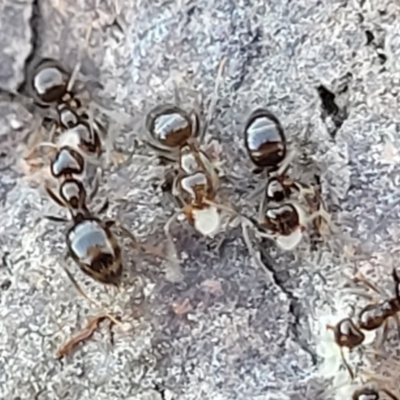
pixel 348 333
pixel 177 135
pixel 287 206
pixel 90 241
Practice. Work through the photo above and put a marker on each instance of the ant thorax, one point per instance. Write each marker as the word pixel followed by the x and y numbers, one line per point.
pixel 67 162
pixel 194 189
pixel 373 316
pixel 191 161
pixel 276 190
pixel 67 117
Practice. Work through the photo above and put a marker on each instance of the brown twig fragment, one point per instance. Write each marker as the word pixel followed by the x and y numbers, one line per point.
pixel 85 334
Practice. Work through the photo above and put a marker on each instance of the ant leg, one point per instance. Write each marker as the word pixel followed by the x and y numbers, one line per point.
pixel 253 253
pixel 152 250
pixel 96 184
pixel 86 296
pixel 286 163
pixel 56 219
pixel 47 144
pixel 321 213
pixel 257 191
pixel 173 273
pixel 359 277
pixel 351 373
pixel 396 279
pixel 262 207
pixel 54 197
pixel 103 208
pixel 396 317
pixel 213 102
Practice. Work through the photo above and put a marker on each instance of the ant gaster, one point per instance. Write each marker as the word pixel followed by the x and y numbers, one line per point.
pixel 90 241
pixel 265 142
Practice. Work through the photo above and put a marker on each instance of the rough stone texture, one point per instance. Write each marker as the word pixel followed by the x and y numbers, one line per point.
pixel 15 41
pixel 227 330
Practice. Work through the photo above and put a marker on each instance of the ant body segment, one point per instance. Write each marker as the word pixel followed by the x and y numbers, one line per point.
pixel 265 142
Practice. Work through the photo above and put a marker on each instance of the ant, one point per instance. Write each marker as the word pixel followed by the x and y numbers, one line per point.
pixel 372 317
pixel 90 240
pixel 281 216
pixel 176 136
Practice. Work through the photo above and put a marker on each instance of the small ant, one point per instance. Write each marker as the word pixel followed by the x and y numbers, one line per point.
pixel 90 241
pixel 281 216
pixel 347 334
pixel 372 317
pixel 176 136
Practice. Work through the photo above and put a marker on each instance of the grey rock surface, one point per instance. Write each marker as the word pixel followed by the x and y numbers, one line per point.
pixel 15 42
pixel 227 329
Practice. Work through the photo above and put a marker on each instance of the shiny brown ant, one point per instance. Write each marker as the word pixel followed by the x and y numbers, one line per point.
pixel 177 135
pixel 90 241
pixel 282 216
pixel 372 317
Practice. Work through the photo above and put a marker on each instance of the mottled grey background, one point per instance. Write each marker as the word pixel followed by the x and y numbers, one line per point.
pixel 240 333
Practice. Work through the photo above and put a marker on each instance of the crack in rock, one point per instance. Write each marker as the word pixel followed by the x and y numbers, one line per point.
pixel 295 307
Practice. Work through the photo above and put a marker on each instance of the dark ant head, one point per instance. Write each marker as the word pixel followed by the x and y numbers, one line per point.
pixel 265 140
